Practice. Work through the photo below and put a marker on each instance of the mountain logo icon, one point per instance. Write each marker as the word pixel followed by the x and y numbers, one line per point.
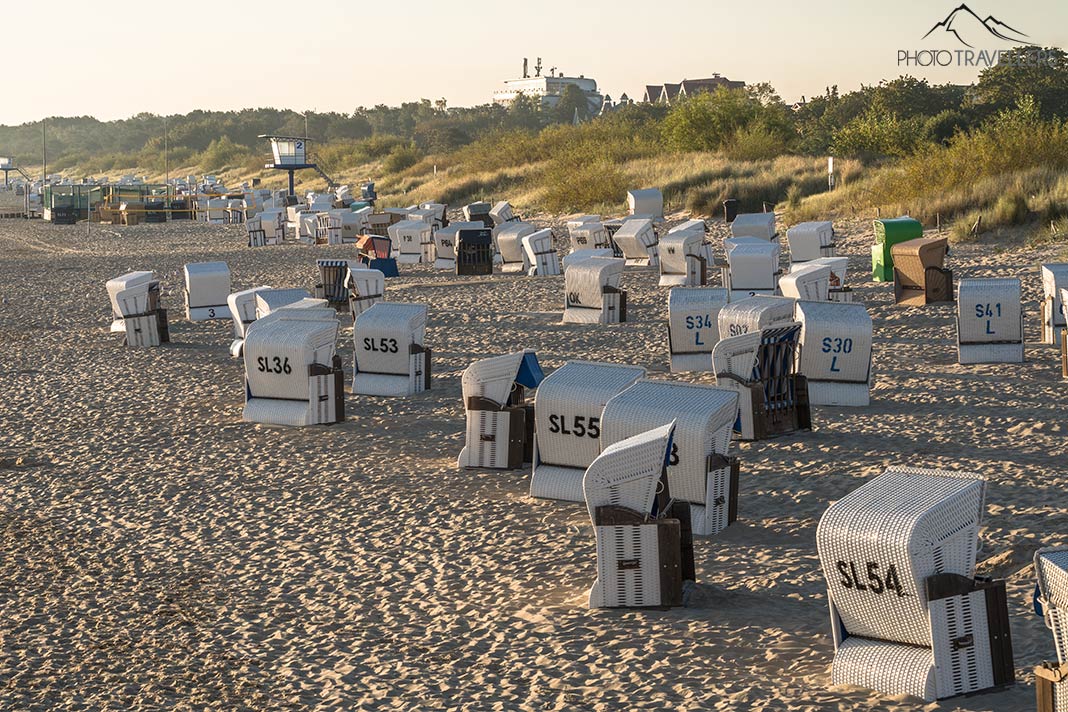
pixel 964 23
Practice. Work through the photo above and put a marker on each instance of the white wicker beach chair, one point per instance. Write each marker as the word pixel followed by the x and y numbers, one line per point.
pixel 292 374
pixel 810 241
pixel 644 546
pixel 501 213
pixel 589 235
pixel 414 239
pixel 761 367
pixel 1051 678
pixel 907 616
pixel 242 308
pixel 685 256
pixel 269 300
pixel 752 267
pixel 273 224
pixel 365 287
pixel 391 358
pixel 989 321
pixel 538 247
pixel 567 416
pixel 760 225
pixel 578 255
pixel 636 239
pixel 592 292
pixel 327 229
pixel 810 282
pixel 479 212
pixel 500 426
pixel 136 309
pixel 753 314
pixel 436 214
pixel 838 291
pixel 332 277
pixel 207 286
pixel 1054 279
pixel 257 236
pixel 509 241
pixel 700 470
pixel 445 244
pixel 693 326
pixel 647 203
pixel 835 352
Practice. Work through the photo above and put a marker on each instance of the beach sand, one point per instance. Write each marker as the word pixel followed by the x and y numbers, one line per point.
pixel 157 552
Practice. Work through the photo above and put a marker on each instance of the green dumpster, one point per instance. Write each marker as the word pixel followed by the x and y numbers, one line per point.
pixel 887 234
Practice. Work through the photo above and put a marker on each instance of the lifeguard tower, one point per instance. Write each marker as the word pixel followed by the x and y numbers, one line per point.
pixel 291 154
pixel 7 164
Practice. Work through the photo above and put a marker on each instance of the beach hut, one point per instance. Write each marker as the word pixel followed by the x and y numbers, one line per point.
pixel 474 251
pixel 1054 279
pixel 889 232
pixel 391 357
pixel 445 244
pixel 543 258
pixel 752 267
pixel 919 274
pixel 693 326
pixel 761 367
pixel 592 294
pixel 509 239
pixel 136 309
pixel 835 352
pixel 700 470
pixel 760 225
pixel 207 285
pixel 644 549
pixel 500 426
pixel 1051 679
pixel 810 241
pixel 567 431
pixel 414 241
pixel 753 314
pixel 637 241
pixel 908 615
pixel 811 282
pixel 646 203
pixel 242 307
pixel 292 373
pixel 989 321
pixel 685 256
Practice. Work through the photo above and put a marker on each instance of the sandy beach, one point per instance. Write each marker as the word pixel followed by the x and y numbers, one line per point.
pixel 157 552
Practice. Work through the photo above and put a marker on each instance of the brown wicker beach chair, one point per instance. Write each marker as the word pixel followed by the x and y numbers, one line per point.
pixel 919 275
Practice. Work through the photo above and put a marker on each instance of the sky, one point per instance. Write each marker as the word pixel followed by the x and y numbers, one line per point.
pixel 75 58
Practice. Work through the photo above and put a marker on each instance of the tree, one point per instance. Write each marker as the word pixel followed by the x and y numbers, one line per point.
pixel 1019 74
pixel 573 99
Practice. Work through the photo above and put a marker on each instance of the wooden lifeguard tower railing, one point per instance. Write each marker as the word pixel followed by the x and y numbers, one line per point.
pixel 290 154
pixel 7 164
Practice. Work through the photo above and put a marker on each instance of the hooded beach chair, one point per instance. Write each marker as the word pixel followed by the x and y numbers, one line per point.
pixel 637 241
pixel 331 286
pixel 761 367
pixel 1051 678
pixel 753 314
pixel 989 321
pixel 509 239
pixel 578 255
pixel 391 358
pixel 752 267
pixel 413 239
pixel 242 308
pixel 685 256
pixel 919 274
pixel 437 212
pixel 835 352
pixel 543 258
pixel 1054 279
pixel 269 300
pixel 136 309
pixel 646 203
pixel 810 241
pixel 257 236
pixel 693 326
pixel 567 416
pixel 292 373
pixel 908 615
pixel 761 225
pixel 479 212
pixel 500 426
pixel 474 251
pixel 700 470
pixel 501 213
pixel 592 292
pixel 838 291
pixel 445 244
pixel 589 235
pixel 644 546
pixel 273 224
pixel 889 232
pixel 365 287
pixel 811 282
pixel 327 229
pixel 207 285
pixel 376 252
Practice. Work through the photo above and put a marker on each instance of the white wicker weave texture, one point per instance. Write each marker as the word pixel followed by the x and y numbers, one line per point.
pixel 754 313
pixel 989 321
pixel 544 260
pixel 1051 569
pixel 1054 279
pixel 584 290
pixel 810 240
pixel 383 336
pixel 207 285
pixel 835 353
pixel 760 225
pixel 693 326
pixel 509 239
pixel 808 282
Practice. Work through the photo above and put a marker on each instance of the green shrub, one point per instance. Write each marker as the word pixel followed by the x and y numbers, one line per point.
pixel 399 158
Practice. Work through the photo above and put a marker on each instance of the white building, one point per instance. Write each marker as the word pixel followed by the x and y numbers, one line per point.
pixel 548 89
